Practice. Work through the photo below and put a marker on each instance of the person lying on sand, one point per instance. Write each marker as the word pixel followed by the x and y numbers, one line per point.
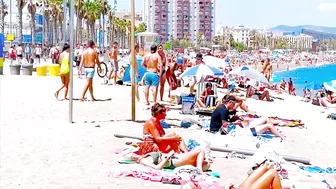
pixel 330 97
pixel 158 160
pixel 265 177
pixel 259 126
pixel 155 135
pixel 251 92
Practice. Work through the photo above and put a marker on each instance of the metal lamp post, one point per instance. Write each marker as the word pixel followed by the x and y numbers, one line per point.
pixel 133 56
pixel 72 34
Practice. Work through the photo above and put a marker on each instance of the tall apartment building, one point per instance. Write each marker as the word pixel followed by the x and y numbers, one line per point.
pixel 179 18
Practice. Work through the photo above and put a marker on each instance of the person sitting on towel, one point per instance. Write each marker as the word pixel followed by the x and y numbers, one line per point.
pixel 205 97
pixel 239 101
pixel 158 160
pixel 153 131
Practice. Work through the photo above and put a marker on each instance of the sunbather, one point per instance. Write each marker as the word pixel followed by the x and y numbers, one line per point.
pixel 251 92
pixel 201 102
pixel 260 126
pixel 157 160
pixel 330 97
pixel 154 134
pixel 265 177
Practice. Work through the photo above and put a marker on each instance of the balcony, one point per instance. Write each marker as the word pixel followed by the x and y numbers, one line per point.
pixel 186 1
pixel 179 5
pixel 179 0
pixel 179 9
pixel 186 8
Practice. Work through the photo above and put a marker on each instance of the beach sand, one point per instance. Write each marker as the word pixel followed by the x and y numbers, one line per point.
pixel 40 149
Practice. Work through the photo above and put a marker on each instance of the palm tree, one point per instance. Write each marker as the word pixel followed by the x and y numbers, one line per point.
pixel 20 5
pixel 3 14
pixel 141 28
pixel 57 15
pixel 46 22
pixel 105 8
pixel 32 6
pixel 91 15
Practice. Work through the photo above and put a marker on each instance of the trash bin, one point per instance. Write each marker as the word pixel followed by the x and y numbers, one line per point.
pixel 27 69
pixel 54 70
pixel 15 69
pixel 41 70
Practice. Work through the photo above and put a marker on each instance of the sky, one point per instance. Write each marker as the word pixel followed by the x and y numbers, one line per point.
pixel 261 13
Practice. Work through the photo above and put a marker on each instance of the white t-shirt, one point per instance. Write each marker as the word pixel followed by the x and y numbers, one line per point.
pixel 38 51
pixel 19 50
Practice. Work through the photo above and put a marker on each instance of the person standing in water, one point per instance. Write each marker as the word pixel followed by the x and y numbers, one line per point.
pixel 114 67
pixel 64 59
pixel 89 61
pixel 163 72
pixel 153 65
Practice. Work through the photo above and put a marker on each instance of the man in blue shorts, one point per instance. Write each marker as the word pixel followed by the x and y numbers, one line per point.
pixel 89 61
pixel 152 62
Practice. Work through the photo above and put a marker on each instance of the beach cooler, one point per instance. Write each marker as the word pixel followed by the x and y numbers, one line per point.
pixel 54 70
pixel 188 105
pixel 41 70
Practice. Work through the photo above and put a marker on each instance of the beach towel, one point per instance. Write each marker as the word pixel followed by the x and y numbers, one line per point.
pixel 286 122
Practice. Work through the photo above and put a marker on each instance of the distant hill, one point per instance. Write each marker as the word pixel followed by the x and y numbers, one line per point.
pixel 284 28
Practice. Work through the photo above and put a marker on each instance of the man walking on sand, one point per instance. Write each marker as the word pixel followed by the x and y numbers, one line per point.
pixel 152 62
pixel 114 68
pixel 89 61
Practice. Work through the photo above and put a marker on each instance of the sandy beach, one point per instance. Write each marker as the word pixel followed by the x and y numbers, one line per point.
pixel 40 149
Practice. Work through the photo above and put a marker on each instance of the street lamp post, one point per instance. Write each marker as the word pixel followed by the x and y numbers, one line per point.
pixel 133 57
pixel 72 34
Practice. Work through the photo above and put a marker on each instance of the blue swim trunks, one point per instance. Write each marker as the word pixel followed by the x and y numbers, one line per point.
pixel 152 79
pixel 89 72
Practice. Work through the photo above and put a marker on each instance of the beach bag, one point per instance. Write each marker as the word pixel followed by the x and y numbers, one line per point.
pixel 316 102
pixel 65 68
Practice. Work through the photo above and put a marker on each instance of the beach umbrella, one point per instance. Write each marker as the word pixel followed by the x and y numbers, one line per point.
pixel 214 61
pixel 330 86
pixel 249 73
pixel 315 87
pixel 202 70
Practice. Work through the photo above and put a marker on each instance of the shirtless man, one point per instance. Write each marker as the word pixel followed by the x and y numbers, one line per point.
pixel 267 69
pixel 89 61
pixel 113 55
pixel 163 73
pixel 152 62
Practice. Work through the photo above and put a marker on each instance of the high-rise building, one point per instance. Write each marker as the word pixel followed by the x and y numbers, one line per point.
pixel 181 18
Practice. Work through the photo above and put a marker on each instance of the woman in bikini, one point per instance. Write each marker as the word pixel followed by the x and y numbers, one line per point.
pixel 64 60
pixel 207 92
pixel 163 74
pixel 157 160
pixel 155 138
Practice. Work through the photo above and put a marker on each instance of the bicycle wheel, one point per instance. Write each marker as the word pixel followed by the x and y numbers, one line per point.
pixel 103 73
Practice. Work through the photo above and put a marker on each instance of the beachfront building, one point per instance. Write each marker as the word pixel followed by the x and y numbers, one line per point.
pixel 241 34
pixel 124 14
pixel 298 42
pixel 180 19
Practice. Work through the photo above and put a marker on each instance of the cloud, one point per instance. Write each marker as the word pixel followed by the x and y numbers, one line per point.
pixel 327 6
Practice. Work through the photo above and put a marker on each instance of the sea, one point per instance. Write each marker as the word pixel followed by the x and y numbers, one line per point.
pixel 310 77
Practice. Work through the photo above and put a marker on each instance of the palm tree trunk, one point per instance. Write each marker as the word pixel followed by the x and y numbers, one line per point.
pixel 32 24
pixel 93 32
pixel 55 34
pixel 19 35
